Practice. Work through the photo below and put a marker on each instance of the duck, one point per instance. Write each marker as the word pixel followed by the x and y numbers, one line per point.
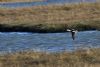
pixel 73 32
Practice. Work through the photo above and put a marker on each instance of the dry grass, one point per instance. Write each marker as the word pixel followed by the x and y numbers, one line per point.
pixel 81 16
pixel 79 58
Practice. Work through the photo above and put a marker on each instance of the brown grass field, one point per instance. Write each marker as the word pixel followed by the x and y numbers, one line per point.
pixel 79 58
pixel 51 18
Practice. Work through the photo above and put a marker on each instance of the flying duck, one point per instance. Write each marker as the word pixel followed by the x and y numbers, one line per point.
pixel 73 32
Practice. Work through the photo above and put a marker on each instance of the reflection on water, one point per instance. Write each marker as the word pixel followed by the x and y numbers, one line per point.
pixel 52 42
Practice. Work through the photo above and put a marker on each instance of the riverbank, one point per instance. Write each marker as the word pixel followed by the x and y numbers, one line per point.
pixel 51 18
pixel 79 58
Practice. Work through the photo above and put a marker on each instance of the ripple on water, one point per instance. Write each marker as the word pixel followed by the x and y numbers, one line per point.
pixel 51 42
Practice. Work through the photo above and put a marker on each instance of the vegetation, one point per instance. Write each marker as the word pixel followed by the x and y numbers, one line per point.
pixel 51 18
pixel 79 58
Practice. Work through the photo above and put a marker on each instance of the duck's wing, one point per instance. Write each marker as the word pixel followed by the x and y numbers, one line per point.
pixel 68 30
pixel 75 31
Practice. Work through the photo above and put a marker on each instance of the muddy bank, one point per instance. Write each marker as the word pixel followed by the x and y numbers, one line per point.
pixel 46 28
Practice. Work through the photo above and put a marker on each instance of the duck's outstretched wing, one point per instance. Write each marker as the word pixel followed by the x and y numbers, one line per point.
pixel 76 31
pixel 68 30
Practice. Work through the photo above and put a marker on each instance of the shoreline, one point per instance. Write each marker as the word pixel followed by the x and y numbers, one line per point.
pixel 43 28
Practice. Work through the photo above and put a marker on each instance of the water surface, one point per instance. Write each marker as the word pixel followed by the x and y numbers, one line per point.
pixel 51 42
pixel 45 2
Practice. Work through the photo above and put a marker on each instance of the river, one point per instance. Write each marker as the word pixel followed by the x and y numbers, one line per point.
pixel 46 2
pixel 50 42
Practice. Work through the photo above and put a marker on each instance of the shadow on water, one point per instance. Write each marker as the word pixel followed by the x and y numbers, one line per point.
pixel 50 42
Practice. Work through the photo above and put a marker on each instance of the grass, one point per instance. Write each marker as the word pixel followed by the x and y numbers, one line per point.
pixel 51 18
pixel 79 58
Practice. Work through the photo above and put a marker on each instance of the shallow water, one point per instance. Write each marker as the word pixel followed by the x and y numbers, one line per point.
pixel 51 42
pixel 45 2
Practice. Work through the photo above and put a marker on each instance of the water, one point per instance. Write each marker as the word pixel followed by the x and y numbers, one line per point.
pixel 50 42
pixel 46 2
pixel 22 4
